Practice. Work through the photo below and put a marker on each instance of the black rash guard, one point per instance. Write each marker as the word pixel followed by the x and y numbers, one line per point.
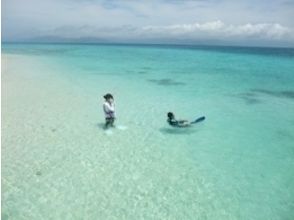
pixel 173 122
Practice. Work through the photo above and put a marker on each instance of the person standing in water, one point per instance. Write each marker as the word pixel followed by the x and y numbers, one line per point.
pixel 109 110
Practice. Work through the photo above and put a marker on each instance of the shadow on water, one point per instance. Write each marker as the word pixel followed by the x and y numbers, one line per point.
pixel 284 134
pixel 101 125
pixel 166 82
pixel 254 96
pixel 283 94
pixel 142 72
pixel 146 68
pixel 250 98
pixel 251 101
pixel 178 131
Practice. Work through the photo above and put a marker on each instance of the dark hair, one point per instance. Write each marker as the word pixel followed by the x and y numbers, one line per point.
pixel 170 115
pixel 108 96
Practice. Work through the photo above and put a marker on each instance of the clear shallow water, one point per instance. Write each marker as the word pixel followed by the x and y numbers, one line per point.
pixel 58 162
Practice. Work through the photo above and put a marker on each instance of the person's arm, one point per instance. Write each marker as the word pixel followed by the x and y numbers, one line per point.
pixel 172 122
pixel 183 123
pixel 108 108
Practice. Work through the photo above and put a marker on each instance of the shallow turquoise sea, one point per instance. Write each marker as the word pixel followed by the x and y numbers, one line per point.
pixel 59 163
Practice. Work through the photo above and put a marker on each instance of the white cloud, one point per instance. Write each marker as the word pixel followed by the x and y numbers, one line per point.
pixel 181 29
pixel 149 19
pixel 214 31
pixel 218 29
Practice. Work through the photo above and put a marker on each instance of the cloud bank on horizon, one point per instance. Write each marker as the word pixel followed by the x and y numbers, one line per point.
pixel 248 22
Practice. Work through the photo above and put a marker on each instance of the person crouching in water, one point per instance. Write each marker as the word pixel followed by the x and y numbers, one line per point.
pixel 176 123
pixel 109 110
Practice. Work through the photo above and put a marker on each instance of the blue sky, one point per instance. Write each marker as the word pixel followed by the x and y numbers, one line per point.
pixel 259 22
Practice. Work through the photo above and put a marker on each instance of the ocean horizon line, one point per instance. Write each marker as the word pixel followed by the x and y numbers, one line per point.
pixel 265 51
pixel 196 45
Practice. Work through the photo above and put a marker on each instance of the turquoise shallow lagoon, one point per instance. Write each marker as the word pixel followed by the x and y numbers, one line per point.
pixel 59 163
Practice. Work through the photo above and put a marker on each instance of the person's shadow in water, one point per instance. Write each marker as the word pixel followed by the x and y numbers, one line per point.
pixel 178 131
pixel 101 126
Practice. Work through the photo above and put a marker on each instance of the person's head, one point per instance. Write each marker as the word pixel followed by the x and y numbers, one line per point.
pixel 170 115
pixel 108 97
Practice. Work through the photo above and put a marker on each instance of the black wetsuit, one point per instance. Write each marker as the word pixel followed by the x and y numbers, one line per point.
pixel 173 122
